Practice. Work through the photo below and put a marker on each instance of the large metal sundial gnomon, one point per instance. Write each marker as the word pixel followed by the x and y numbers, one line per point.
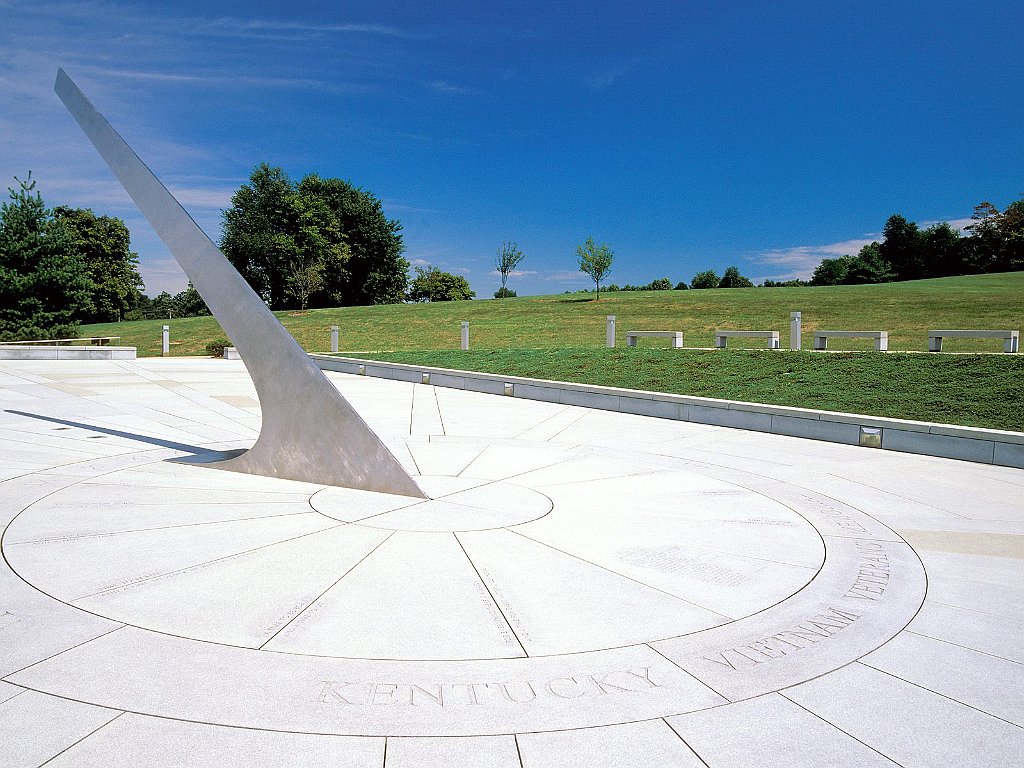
pixel 310 432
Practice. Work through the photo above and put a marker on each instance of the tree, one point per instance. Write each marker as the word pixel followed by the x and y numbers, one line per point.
pixel 867 266
pixel 257 232
pixel 431 284
pixel 370 268
pixel 322 241
pixel 1012 227
pixel 661 284
pixel 943 251
pixel 508 259
pixel 164 305
pixel 43 281
pixel 105 246
pixel 682 286
pixel 596 261
pixel 189 303
pixel 733 279
pixel 997 242
pixel 902 248
pixel 706 279
pixel 831 271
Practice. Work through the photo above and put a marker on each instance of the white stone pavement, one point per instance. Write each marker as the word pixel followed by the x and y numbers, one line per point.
pixel 584 588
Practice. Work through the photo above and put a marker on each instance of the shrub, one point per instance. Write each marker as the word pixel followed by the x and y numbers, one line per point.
pixel 216 347
pixel 504 293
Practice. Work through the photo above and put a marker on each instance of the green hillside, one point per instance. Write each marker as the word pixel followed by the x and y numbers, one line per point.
pixel 562 337
pixel 906 310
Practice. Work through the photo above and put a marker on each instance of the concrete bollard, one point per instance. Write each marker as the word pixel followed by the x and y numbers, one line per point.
pixel 166 346
pixel 609 335
pixel 334 338
pixel 465 335
pixel 794 330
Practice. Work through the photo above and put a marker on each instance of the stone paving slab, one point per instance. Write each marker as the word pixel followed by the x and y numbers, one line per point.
pixel 583 588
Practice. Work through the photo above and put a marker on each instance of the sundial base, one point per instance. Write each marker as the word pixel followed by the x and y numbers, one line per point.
pixel 578 585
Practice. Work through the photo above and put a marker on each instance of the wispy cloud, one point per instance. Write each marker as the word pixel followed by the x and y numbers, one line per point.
pixel 443 86
pixel 599 79
pixel 954 223
pixel 516 272
pixel 193 78
pixel 563 276
pixel 799 261
pixel 266 28
pixel 392 206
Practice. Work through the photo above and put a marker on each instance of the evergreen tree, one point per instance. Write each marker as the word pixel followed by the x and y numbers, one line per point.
pixel 43 280
pixel 902 247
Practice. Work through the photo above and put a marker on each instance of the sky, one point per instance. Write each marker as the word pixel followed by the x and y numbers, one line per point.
pixel 687 136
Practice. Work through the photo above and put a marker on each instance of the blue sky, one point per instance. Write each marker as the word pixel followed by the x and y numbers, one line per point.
pixel 685 135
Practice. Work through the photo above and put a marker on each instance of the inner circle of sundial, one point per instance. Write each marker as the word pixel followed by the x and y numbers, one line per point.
pixel 454 504
pixel 483 569
pixel 533 577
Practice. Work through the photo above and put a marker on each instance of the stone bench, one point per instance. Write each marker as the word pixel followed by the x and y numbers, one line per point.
pixel 230 353
pixel 65 352
pixel 1011 339
pixel 722 336
pixel 676 336
pixel 93 340
pixel 881 338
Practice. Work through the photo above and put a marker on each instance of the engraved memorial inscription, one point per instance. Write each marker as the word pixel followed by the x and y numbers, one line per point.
pixel 366 693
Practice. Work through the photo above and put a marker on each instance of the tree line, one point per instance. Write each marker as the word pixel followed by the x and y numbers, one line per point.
pixel 313 243
pixel 995 243
pixel 322 242
pixel 60 267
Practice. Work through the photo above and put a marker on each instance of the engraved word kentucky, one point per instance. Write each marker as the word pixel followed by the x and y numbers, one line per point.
pixel 477 694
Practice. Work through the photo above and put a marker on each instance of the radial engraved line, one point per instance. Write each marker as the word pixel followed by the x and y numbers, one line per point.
pixel 545 420
pixel 620 575
pixel 74 744
pixel 674 663
pixel 77 536
pixel 204 564
pixel 783 695
pixel 332 586
pixel 934 692
pixel 680 737
pixel 491 594
pixel 440 416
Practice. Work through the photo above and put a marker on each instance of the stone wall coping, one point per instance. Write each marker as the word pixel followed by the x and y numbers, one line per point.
pixel 838 417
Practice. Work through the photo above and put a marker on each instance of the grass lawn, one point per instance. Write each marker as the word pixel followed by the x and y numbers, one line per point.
pixel 906 310
pixel 972 390
pixel 562 337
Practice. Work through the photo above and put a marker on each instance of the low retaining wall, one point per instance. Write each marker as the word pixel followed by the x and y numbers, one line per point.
pixel 64 352
pixel 987 446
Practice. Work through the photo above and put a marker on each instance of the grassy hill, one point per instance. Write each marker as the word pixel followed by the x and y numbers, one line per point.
pixel 906 310
pixel 562 337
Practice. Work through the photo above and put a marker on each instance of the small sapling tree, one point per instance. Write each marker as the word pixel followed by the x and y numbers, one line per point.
pixel 596 261
pixel 507 260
